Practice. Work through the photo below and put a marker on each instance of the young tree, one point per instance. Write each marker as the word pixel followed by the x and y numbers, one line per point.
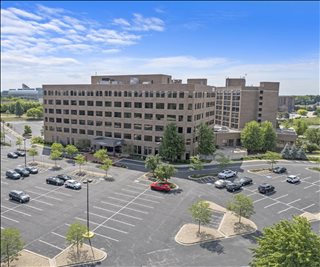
pixel 288 243
pixel 293 152
pixel 251 136
pixel 71 150
pixel 33 152
pixel 285 153
pixel 55 155
pixel 57 147
pixel 301 154
pixel 201 213
pixel 101 155
pixel 196 163
pixel 18 109
pixel 80 160
pixel 272 157
pixel 313 135
pixel 35 113
pixel 310 147
pixel 165 171
pixel 241 206
pixel 222 160
pixel 206 140
pixel 75 235
pixel 172 144
pixel 152 162
pixel 11 244
pixel 19 142
pixel 269 136
pixel 106 164
pixel 300 126
pixel 27 130
pixel 302 112
pixel 37 140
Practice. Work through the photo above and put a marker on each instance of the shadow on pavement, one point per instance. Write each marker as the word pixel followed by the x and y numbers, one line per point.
pixel 213 246
pixel 253 237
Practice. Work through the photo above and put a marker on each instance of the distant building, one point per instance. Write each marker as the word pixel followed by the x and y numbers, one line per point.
pixel 286 104
pixel 24 92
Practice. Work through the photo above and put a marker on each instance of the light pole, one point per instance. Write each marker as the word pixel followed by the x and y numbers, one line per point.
pixel 25 151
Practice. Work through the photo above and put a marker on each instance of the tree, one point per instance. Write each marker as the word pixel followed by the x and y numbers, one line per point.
pixel 201 213
pixel 310 147
pixel 152 162
pixel 302 112
pixel 27 130
pixel 101 155
pixel 206 140
pixel 272 157
pixel 35 113
pixel 313 135
pixel 57 147
pixel 222 160
pixel 19 142
pixel 164 171
pixel 71 150
pixel 80 160
pixel 241 206
pixel 106 164
pixel 288 243
pixel 251 136
pixel 11 244
pixel 33 152
pixel 301 154
pixel 75 235
pixel 285 153
pixel 293 152
pixel 196 163
pixel 18 110
pixel 317 112
pixel 55 155
pixel 37 140
pixel 172 145
pixel 300 126
pixel 269 136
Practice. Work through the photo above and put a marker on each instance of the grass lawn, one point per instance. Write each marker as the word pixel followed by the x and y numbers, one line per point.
pixel 315 169
pixel 12 117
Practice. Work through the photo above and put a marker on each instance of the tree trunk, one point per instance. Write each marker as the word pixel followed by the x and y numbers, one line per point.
pixel 8 256
pixel 240 215
pixel 199 228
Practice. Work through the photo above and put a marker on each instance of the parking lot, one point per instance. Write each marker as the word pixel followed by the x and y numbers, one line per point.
pixel 136 226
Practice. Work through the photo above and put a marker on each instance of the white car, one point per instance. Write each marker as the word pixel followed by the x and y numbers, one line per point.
pixel 221 183
pixel 293 179
pixel 226 174
pixel 72 184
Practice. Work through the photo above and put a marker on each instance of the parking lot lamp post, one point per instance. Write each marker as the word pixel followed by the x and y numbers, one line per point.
pixel 25 151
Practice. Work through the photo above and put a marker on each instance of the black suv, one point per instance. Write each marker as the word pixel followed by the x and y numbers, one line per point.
pixel 265 188
pixel 22 171
pixel 243 181
pixel 231 187
pixel 19 196
pixel 55 181
pixel 64 177
pixel 13 175
pixel 32 170
pixel 20 153
pixel 12 155
pixel 279 170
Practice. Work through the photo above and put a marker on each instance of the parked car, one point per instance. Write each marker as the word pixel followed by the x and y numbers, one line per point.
pixel 227 174
pixel 54 180
pixel 64 177
pixel 32 170
pixel 19 196
pixel 20 153
pixel 293 179
pixel 22 171
pixel 232 186
pixel 13 175
pixel 279 170
pixel 221 183
pixel 72 184
pixel 243 180
pixel 160 186
pixel 12 155
pixel 266 188
pixel 119 164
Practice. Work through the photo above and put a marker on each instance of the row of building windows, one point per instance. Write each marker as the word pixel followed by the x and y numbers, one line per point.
pixel 116 93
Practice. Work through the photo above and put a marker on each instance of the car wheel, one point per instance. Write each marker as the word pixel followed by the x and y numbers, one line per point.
pixel 10 197
pixel 20 201
pixel 48 182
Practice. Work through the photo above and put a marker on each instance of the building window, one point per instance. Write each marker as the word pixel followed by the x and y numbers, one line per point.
pixel 137 126
pixel 160 117
pixel 117 114
pixel 181 106
pixel 90 132
pixel 189 130
pixel 90 113
pixel 127 104
pixel 90 122
pixel 117 125
pixel 172 106
pixel 58 111
pixel 171 117
pixel 148 127
pixel 108 114
pixel 98 133
pixel 148 138
pixel 81 103
pixel 98 123
pixel 108 124
pixel 99 103
pixel 82 112
pixel 181 94
pixel 138 115
pixel 58 102
pixel 180 130
pixel 52 119
pixel 117 104
pixel 99 113
pixel 189 118
pixel 66 102
pixel 59 129
pixel 74 112
pixel 159 105
pixel 159 128
pixel 127 136
pixel 73 102
pixel 82 122
pixel 148 116
pixel 117 135
pixel 107 103
pixel 137 137
pixel 66 121
pixel 127 125
pixel 73 121
pixel 66 130
pixel 108 134
pixel 189 106
pixel 73 130
pixel 148 105
pixel 127 115
pixel 90 103
pixel 58 120
pixel 138 105
pixel 66 111
pixel 180 117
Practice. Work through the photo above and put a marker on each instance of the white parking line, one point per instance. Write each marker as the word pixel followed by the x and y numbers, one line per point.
pixel 49 244
pixel 153 196
pixel 259 199
pixel 309 186
pixel 318 191
pixel 57 192
pixel 308 206
pixel 144 199
pixel 137 218
pixel 32 207
pixel 134 187
pixel 280 197
pixel 284 210
pixel 123 194
pixel 126 207
pixel 252 194
pixel 142 205
pixel 46 203
pixel 58 199
pixel 13 209
pixel 58 235
pixel 130 191
pixel 108 227
pixel 272 204
pixel 293 201
pixel 106 237
pixel 64 194
pixel 4 183
pixel 306 178
pixel 9 219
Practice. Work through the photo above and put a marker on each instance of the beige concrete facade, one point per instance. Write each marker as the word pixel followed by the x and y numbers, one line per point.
pixel 286 104
pixel 133 110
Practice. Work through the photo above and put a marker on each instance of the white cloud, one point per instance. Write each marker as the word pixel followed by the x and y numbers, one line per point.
pixel 121 22
pixel 50 10
pixel 24 14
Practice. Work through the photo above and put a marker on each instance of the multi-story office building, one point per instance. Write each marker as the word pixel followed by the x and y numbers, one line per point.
pixel 286 104
pixel 24 92
pixel 133 110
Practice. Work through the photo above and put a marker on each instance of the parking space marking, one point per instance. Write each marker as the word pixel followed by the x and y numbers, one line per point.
pixel 14 210
pixel 142 205
pixel 293 201
pixel 259 199
pixel 130 191
pixel 252 194
pixel 272 204
pixel 9 219
pixel 58 199
pixel 119 206
pixel 306 178
pixel 280 197
pixel 106 237
pixel 153 196
pixel 58 235
pixel 134 187
pixel 32 207
pixel 137 218
pixel 144 199
pixel 46 203
pixel 104 226
pixel 104 217
pixel 309 186
pixel 308 206
pixel 284 210
pixel 122 194
pixel 4 183
pixel 50 244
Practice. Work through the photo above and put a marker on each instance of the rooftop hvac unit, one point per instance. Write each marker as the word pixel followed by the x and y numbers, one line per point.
pixel 134 80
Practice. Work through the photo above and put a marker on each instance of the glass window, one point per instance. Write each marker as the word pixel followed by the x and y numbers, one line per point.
pixel 82 122
pixel 90 132
pixel 58 102
pixel 117 104
pixel 66 130
pixel 171 117
pixel 181 106
pixel 148 105
pixel 99 113
pixel 127 125
pixel 74 112
pixel 148 138
pixel 65 120
pixel 137 137
pixel 98 123
pixel 172 106
pixel 73 102
pixel 65 102
pixel 148 116
pixel 98 133
pixel 58 120
pixel 148 127
pixel 99 103
pixel 127 104
pixel 137 126
pixel 108 134
pixel 117 135
pixel 90 113
pixel 159 105
pixel 90 122
pixel 90 103
pixel 82 131
pixel 73 130
pixel 107 103
pixel 160 117
pixel 137 104
pixel 159 128
pixel 73 121
pixel 108 123
pixel 81 103
pixel 180 117
pixel 117 125
pixel 189 130
pixel 117 114
pixel 108 114
pixel 138 115
pixel 66 111
pixel 127 136
pixel 127 115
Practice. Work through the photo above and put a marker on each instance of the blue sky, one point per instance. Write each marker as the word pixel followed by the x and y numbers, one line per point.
pixel 66 42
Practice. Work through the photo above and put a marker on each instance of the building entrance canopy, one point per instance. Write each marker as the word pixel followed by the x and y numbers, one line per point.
pixel 108 141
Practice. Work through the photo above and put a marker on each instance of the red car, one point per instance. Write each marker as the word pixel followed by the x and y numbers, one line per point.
pixel 160 186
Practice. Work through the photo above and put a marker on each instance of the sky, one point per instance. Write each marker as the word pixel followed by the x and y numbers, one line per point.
pixel 65 42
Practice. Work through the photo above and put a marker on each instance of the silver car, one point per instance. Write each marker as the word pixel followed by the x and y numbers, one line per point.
pixel 221 183
pixel 227 174
pixel 293 179
pixel 72 184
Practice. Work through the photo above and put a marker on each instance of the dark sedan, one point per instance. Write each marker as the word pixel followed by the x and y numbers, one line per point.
pixel 243 181
pixel 19 196
pixel 64 177
pixel 55 181
pixel 22 171
pixel 20 153
pixel 32 170
pixel 12 155
pixel 280 170
pixel 231 187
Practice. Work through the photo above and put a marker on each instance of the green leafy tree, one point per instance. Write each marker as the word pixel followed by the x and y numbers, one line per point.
pixel 57 147
pixel 301 154
pixel 285 153
pixel 196 163
pixel 293 152
pixel 35 113
pixel 71 150
pixel 106 164
pixel 80 160
pixel 288 243
pixel 172 145
pixel 101 155
pixel 164 171
pixel 313 135
pixel 272 157
pixel 11 244
pixel 300 126
pixel 201 213
pixel 18 109
pixel 33 152
pixel 317 112
pixel 27 130
pixel 269 136
pixel 251 136
pixel 206 140
pixel 37 140
pixel 55 155
pixel 302 112
pixel 222 160
pixel 310 147
pixel 19 142
pixel 241 206
pixel 152 162
pixel 75 235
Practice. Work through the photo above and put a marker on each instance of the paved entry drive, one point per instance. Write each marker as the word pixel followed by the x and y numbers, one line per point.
pixel 216 219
